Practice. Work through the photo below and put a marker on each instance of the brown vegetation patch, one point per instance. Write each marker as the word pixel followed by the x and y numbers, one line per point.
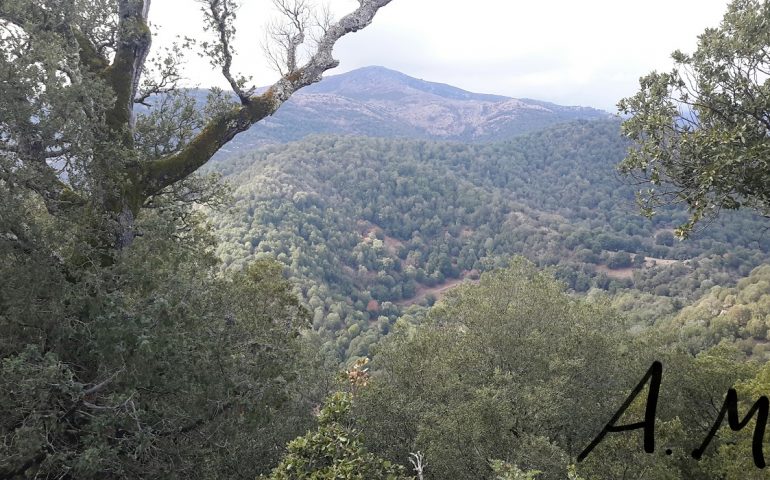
pixel 438 291
pixel 392 244
pixel 664 262
pixel 617 273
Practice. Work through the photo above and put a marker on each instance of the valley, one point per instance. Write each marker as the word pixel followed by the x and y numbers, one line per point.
pixel 401 221
pixel 372 276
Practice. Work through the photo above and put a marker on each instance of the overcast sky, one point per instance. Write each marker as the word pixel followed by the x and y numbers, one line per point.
pixel 587 52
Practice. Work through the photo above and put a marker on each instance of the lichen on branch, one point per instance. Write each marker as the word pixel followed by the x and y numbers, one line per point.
pixel 225 127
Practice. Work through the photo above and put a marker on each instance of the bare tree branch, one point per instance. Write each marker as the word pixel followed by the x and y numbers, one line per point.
pixel 287 36
pixel 323 19
pixel 222 129
pixel 101 385
pixel 219 16
pixel 322 60
pixel 418 463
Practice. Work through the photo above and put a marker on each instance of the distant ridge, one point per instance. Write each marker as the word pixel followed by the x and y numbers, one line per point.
pixel 364 82
pixel 376 101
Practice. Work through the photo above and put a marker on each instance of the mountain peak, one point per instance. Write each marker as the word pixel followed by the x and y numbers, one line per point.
pixel 381 102
pixel 377 82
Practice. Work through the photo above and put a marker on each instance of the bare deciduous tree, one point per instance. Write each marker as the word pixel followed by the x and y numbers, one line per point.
pixel 418 463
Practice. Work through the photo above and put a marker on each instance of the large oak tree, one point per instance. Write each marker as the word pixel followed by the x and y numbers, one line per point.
pixel 75 70
pixel 124 352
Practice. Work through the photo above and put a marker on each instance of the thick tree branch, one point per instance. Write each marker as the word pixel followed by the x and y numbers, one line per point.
pixel 123 75
pixel 218 132
pixel 89 56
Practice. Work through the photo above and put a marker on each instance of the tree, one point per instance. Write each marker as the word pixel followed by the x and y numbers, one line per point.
pixel 620 260
pixel 334 451
pixel 525 374
pixel 665 238
pixel 700 132
pixel 76 71
pixel 124 352
pixel 153 368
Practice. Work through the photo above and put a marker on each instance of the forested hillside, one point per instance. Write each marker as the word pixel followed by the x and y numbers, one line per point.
pixel 519 370
pixel 461 289
pixel 738 314
pixel 367 227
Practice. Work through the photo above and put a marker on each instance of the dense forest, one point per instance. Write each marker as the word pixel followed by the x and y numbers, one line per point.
pixel 367 227
pixel 514 290
pixel 527 371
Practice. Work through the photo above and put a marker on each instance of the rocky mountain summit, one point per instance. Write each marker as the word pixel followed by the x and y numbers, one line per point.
pixel 376 101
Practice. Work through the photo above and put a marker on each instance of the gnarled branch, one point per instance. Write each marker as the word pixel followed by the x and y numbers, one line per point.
pixel 218 132
pixel 220 15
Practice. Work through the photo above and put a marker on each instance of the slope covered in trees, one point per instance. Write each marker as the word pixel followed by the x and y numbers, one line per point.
pixel 128 349
pixel 529 375
pixel 737 314
pixel 369 226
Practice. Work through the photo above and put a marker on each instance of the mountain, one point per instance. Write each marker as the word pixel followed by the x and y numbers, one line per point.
pixel 376 101
pixel 371 83
pixel 369 226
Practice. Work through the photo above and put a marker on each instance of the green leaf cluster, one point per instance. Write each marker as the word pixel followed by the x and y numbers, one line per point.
pixel 334 451
pixel 700 132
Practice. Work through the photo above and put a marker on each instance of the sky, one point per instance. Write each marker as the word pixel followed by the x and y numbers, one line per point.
pixel 570 52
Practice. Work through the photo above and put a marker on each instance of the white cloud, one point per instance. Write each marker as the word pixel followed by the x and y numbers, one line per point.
pixel 590 52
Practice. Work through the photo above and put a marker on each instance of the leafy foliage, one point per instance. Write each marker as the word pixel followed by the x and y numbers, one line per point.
pixel 334 451
pixel 516 378
pixel 739 315
pixel 700 132
pixel 368 227
pixel 529 375
pixel 128 349
pixel 137 369
pixel 506 471
pixel 125 353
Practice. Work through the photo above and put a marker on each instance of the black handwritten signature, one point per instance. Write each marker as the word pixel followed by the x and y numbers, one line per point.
pixel 729 407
